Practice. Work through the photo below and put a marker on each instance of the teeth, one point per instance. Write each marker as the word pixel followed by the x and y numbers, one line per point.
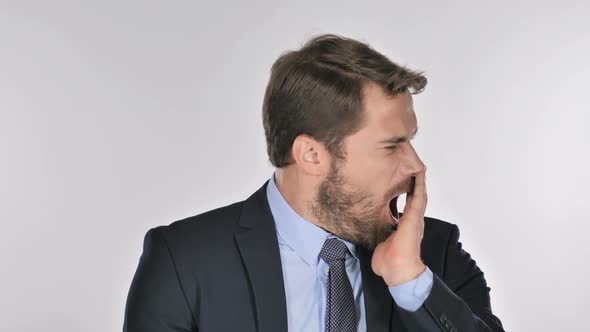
pixel 394 219
pixel 393 210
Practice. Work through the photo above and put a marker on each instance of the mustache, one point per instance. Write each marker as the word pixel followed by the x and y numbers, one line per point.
pixel 406 186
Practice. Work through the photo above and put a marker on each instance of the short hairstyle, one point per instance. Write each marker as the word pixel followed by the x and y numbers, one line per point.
pixel 317 91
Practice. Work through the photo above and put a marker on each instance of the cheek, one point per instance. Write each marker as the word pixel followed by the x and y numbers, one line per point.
pixel 387 170
pixel 357 173
pixel 389 180
pixel 380 181
pixel 373 174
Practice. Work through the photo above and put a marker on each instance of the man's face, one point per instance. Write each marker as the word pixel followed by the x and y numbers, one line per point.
pixel 354 200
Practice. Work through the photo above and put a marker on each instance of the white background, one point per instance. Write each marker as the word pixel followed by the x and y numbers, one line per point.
pixel 116 117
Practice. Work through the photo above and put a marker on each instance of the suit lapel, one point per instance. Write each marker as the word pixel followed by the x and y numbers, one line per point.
pixel 259 250
pixel 378 300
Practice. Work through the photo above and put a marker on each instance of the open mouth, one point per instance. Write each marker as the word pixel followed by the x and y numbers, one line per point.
pixel 394 213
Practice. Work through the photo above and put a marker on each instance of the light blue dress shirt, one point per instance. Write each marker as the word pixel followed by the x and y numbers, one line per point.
pixel 305 274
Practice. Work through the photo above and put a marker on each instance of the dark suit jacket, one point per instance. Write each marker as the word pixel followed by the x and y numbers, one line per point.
pixel 221 271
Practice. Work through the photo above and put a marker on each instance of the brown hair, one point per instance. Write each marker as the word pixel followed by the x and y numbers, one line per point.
pixel 317 91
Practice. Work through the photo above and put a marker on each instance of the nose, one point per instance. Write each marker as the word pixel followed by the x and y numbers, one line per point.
pixel 411 163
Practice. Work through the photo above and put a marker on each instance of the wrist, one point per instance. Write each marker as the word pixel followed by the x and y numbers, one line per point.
pixel 403 275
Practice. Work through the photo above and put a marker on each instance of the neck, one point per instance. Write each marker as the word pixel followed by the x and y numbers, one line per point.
pixel 299 191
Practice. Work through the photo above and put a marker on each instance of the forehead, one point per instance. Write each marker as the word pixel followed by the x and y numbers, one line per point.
pixel 387 115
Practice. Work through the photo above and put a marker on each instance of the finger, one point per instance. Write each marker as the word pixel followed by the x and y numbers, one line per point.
pixel 416 200
pixel 410 227
pixel 419 199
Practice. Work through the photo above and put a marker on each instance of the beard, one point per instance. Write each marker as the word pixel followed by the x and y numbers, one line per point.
pixel 353 214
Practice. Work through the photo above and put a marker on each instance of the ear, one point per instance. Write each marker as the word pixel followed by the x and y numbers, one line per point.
pixel 310 155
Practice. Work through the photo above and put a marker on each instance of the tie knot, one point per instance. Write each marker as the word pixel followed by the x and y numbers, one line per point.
pixel 333 250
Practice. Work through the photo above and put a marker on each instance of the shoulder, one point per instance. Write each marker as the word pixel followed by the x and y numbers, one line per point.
pixel 436 228
pixel 220 219
pixel 201 231
pixel 438 236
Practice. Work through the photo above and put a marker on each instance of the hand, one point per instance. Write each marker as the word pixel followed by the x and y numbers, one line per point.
pixel 397 259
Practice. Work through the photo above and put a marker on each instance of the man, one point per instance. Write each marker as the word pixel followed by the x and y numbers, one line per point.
pixel 321 246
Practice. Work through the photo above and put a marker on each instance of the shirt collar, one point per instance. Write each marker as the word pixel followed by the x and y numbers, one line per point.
pixel 304 237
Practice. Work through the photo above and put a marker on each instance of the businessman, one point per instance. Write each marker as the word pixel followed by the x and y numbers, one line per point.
pixel 321 245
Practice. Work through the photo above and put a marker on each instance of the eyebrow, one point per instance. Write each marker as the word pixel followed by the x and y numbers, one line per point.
pixel 399 139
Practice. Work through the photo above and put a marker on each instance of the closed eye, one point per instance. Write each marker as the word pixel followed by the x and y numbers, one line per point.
pixel 391 147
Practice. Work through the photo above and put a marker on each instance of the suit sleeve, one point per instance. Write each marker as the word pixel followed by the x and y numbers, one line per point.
pixel 459 303
pixel 156 300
